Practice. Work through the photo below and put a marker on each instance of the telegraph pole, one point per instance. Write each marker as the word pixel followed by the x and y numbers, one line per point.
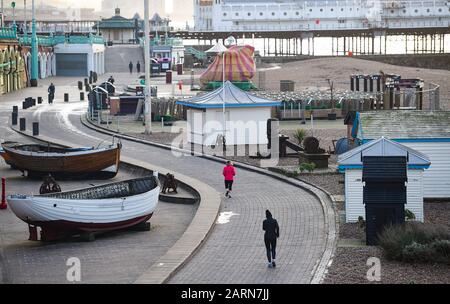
pixel 25 17
pixel 34 48
pixel 147 90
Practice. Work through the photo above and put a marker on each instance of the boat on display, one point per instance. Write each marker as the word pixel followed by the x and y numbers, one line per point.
pixel 39 160
pixel 83 212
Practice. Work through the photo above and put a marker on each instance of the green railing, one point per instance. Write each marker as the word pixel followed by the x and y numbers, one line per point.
pixel 195 52
pixel 7 33
pixel 54 40
pixel 158 41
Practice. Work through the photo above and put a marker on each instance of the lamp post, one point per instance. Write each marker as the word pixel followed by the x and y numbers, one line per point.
pixel 147 90
pixel 13 5
pixel 34 48
pixel 25 17
pixel 223 92
pixel 218 49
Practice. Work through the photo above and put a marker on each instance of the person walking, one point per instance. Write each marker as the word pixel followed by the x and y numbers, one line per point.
pixel 272 232
pixel 111 79
pixel 51 93
pixel 130 66
pixel 229 172
pixel 138 67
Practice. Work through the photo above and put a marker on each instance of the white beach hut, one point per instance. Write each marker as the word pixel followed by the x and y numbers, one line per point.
pixel 425 131
pixel 245 117
pixel 351 164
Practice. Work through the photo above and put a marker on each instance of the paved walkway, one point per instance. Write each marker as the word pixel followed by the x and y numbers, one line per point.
pixel 234 252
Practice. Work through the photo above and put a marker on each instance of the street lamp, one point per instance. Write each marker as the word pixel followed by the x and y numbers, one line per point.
pixel 25 17
pixel 220 48
pixel 13 5
pixel 34 49
pixel 147 90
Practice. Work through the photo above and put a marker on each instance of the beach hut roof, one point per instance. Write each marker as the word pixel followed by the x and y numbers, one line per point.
pixel 404 124
pixel 382 147
pixel 234 98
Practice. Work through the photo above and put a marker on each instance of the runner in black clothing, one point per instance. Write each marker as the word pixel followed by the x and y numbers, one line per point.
pixel 272 232
pixel 51 93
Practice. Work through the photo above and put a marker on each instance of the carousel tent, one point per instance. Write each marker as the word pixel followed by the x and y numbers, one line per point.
pixel 245 118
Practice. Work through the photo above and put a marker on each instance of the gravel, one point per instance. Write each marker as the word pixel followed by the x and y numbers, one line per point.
pixel 349 267
pixel 349 263
pixel 333 182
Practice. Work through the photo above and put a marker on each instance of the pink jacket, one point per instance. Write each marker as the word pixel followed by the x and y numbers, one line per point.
pixel 229 173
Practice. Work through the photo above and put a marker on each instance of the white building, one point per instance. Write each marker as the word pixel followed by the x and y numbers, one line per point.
pixel 351 164
pixel 79 59
pixel 246 117
pixel 296 15
pixel 425 131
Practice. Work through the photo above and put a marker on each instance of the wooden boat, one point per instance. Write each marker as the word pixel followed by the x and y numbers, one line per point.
pixel 41 159
pixel 102 208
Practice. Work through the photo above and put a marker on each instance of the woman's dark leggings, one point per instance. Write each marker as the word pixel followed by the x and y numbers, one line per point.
pixel 271 247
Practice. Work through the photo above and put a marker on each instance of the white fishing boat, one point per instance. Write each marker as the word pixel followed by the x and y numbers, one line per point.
pixel 102 208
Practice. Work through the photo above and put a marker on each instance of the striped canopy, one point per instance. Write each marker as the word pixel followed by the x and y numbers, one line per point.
pixel 239 65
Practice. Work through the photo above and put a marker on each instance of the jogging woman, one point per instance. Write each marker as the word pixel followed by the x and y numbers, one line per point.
pixel 229 172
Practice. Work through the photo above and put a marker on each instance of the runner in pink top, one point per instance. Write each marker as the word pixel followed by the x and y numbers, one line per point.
pixel 229 172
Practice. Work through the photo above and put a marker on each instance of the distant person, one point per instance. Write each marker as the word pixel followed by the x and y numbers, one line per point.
pixel 229 172
pixel 138 67
pixel 130 66
pixel 111 79
pixel 51 93
pixel 272 232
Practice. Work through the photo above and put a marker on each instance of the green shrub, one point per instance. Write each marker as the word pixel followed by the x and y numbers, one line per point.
pixel 307 167
pixel 409 215
pixel 361 222
pixel 291 173
pixel 442 247
pixel 417 253
pixel 416 242
pixel 299 135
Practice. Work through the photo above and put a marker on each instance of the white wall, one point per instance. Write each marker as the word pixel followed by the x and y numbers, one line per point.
pixel 244 126
pixel 95 54
pixel 354 206
pixel 436 180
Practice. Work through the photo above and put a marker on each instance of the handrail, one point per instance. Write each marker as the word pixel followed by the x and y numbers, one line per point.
pixel 54 40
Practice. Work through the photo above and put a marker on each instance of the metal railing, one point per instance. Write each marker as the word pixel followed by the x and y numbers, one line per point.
pixel 54 40
pixel 7 33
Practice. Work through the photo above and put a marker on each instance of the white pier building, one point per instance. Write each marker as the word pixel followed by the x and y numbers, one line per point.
pixel 319 15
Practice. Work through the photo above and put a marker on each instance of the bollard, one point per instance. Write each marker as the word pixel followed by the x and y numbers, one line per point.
pixel 33 102
pixel 39 100
pixel 87 88
pixel 22 124
pixel 80 85
pixel 3 205
pixel 66 97
pixel 81 96
pixel 14 118
pixel 24 105
pixel 15 109
pixel 90 79
pixel 35 128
